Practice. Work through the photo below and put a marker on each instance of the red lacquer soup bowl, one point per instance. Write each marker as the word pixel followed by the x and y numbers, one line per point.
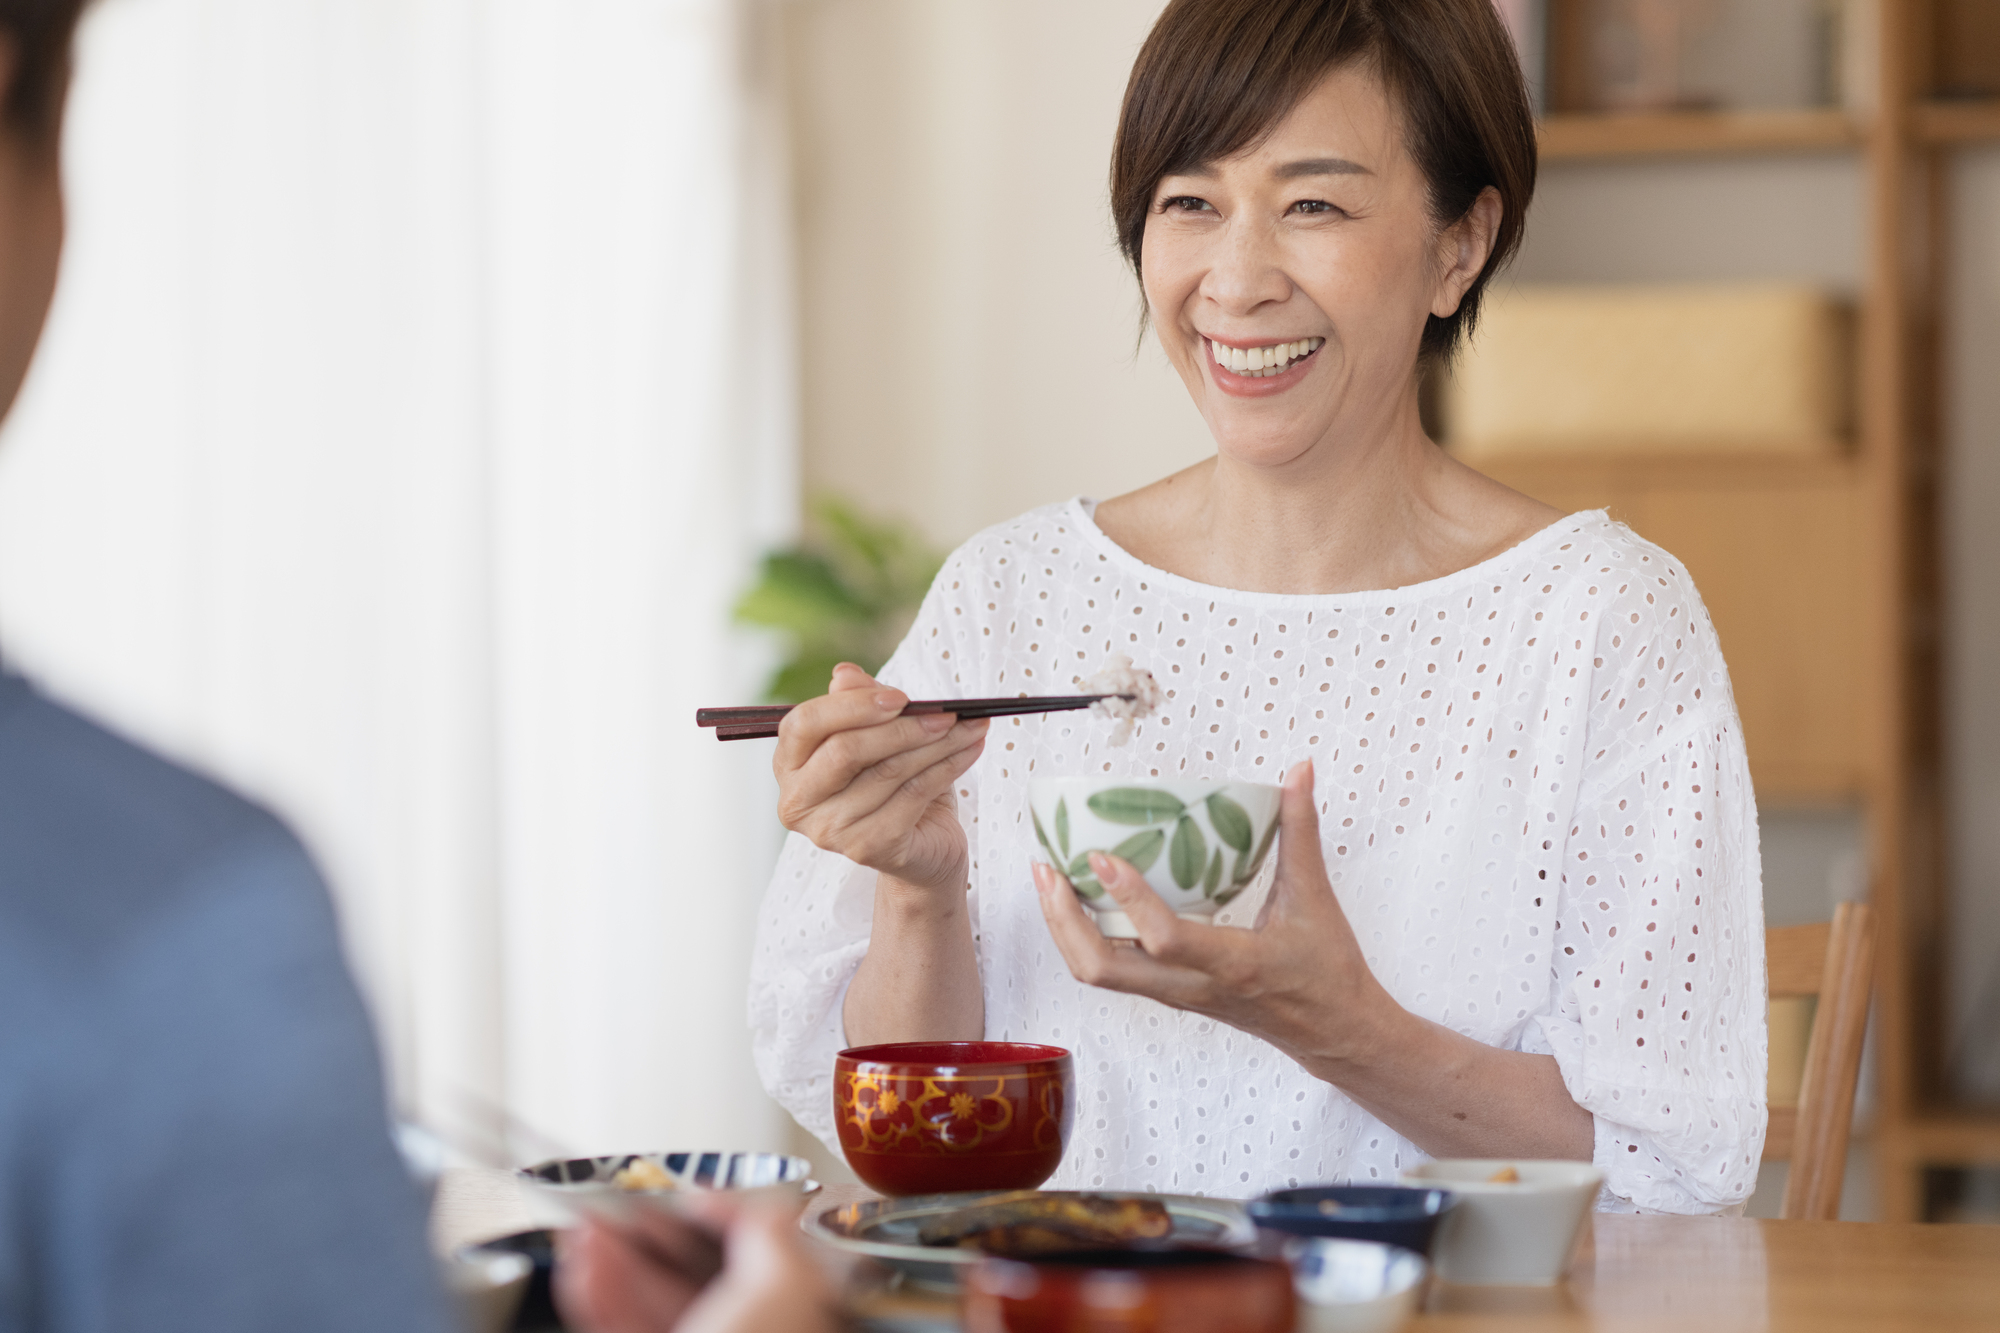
pixel 939 1117
pixel 1159 1291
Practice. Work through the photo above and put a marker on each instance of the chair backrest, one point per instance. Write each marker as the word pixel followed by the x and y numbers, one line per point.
pixel 1833 963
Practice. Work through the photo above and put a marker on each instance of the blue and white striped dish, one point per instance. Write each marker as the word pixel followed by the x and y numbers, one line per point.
pixel 586 1186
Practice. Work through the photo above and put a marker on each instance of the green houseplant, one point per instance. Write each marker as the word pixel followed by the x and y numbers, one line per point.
pixel 845 594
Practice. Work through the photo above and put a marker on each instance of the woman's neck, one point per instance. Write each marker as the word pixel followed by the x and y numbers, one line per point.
pixel 1380 508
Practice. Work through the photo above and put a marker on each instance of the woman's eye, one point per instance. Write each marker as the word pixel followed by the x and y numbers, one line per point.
pixel 1313 206
pixel 1184 203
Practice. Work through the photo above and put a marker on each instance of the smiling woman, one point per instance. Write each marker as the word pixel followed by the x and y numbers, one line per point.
pixel 1515 911
pixel 1465 121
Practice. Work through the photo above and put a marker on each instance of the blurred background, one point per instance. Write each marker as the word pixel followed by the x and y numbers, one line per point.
pixel 444 397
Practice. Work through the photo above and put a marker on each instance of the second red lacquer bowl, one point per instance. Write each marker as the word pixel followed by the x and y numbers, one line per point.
pixel 940 1117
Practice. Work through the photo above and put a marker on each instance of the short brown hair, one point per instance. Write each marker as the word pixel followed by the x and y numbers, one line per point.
pixel 40 32
pixel 1216 76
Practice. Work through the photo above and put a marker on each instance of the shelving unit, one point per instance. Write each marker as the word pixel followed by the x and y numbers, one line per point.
pixel 1939 123
pixel 1822 572
pixel 1684 134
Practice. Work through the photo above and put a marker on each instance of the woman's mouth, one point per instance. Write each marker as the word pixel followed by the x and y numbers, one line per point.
pixel 1253 369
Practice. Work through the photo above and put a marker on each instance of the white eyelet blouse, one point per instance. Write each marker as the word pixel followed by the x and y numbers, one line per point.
pixel 1536 812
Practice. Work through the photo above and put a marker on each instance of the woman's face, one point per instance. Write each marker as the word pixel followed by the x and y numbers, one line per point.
pixel 1290 284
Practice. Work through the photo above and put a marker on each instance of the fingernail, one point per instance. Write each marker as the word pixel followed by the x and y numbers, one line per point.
pixel 1040 873
pixel 936 723
pixel 1100 866
pixel 888 701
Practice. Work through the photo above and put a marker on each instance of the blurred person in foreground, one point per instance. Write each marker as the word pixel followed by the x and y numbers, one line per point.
pixel 193 1133
pixel 193 1128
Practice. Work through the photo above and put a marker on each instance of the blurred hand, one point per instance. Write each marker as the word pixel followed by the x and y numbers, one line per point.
pixel 662 1273
pixel 1297 978
pixel 769 1285
pixel 859 780
pixel 640 1277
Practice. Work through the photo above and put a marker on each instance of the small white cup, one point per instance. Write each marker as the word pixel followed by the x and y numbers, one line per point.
pixel 1514 1234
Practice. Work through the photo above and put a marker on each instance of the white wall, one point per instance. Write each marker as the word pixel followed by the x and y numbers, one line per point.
pixel 969 326
pixel 392 455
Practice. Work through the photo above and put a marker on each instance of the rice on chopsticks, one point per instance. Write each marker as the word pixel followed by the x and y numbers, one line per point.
pixel 1135 694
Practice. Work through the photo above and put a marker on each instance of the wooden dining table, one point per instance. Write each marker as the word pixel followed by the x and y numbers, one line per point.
pixel 1711 1274
pixel 1629 1275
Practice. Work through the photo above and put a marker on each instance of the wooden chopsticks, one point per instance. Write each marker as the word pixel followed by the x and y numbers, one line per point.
pixel 758 721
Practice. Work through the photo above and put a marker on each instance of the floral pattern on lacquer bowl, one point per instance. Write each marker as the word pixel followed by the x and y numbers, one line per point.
pixel 941 1117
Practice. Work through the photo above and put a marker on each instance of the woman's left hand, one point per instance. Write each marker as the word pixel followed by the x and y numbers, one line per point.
pixel 1296 978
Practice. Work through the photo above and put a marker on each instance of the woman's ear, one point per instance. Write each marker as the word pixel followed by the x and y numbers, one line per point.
pixel 1462 251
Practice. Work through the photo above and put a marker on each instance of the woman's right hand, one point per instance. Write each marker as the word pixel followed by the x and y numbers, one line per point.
pixel 860 780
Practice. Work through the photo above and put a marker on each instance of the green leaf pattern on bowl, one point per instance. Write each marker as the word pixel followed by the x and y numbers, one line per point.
pixel 1188 853
pixel 1230 821
pixel 1082 880
pixel 1246 870
pixel 1042 837
pixel 1142 849
pixel 1136 805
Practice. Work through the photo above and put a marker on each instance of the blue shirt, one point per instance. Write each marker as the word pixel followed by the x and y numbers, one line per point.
pixel 193 1132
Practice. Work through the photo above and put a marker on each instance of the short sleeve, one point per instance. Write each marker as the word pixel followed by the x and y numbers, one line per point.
pixel 813 928
pixel 1658 1024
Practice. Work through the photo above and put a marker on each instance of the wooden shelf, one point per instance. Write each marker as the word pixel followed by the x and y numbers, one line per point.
pixel 1820 570
pixel 1958 122
pixel 1611 135
pixel 1956 1138
pixel 1808 787
pixel 1772 542
pixel 1833 465
pixel 1694 134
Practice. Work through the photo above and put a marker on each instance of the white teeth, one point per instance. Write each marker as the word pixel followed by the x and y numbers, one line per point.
pixel 1258 362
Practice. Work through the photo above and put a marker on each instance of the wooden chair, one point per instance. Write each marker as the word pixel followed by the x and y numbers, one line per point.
pixel 1831 963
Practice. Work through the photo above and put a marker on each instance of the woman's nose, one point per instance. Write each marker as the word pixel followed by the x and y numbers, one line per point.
pixel 1246 271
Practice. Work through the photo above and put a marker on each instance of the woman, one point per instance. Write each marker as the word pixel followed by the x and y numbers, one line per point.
pixel 1516 909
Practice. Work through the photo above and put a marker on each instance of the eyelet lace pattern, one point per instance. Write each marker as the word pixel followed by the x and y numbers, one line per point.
pixel 1536 812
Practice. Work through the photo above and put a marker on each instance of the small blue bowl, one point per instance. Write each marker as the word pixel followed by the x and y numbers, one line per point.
pixel 1392 1214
